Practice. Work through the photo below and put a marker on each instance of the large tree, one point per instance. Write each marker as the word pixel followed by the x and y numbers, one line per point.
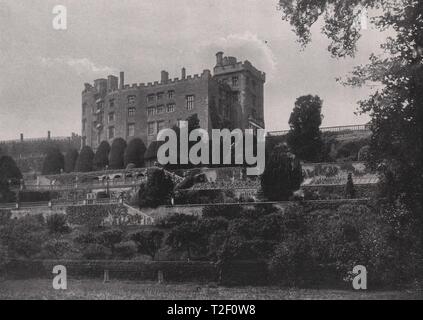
pixel 54 161
pixel 134 153
pixel 158 189
pixel 71 157
pixel 9 175
pixel 396 108
pixel 282 174
pixel 85 160
pixel 101 158
pixel 116 160
pixel 304 138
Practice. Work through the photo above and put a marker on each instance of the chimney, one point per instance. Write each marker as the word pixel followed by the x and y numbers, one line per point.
pixel 22 137
pixel 122 80
pixel 164 76
pixel 184 73
pixel 219 58
pixel 48 135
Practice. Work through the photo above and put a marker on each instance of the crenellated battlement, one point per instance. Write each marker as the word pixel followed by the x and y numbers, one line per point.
pixel 206 74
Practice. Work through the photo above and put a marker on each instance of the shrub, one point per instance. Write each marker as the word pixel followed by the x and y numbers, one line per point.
pixel 54 161
pixel 134 153
pixel 282 174
pixel 148 242
pixel 101 158
pixel 91 216
pixel 85 160
pixel 96 252
pixel 56 248
pixel 4 257
pixel 110 238
pixel 126 250
pixel 71 157
pixel 157 191
pixel 116 157
pixel 224 211
pixel 57 223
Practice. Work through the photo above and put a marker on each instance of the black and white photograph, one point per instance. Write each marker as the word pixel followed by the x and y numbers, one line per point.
pixel 211 155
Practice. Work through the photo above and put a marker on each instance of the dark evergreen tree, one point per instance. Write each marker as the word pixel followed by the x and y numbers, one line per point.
pixel 349 188
pixel 282 174
pixel 304 138
pixel 10 175
pixel 158 189
pixel 134 153
pixel 101 158
pixel 116 159
pixel 54 161
pixel 85 160
pixel 71 157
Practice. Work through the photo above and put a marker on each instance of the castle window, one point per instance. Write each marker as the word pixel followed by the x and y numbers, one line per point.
pixel 160 96
pixel 254 100
pixel 131 112
pixel 131 129
pixel 160 109
pixel 170 94
pixel 151 98
pixel 151 111
pixel 235 81
pixel 160 125
pixel 111 132
pixel 111 103
pixel 151 128
pixel 190 102
pixel 111 116
pixel 131 99
pixel 84 124
pixel 170 107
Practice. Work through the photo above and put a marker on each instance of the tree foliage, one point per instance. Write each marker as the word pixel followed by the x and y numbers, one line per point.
pixel 71 157
pixel 54 161
pixel 304 138
pixel 117 151
pixel 101 158
pixel 134 153
pixel 282 174
pixel 148 242
pixel 396 107
pixel 85 160
pixel 158 189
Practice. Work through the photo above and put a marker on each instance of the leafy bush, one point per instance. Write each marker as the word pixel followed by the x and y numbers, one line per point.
pixel 56 248
pixel 25 236
pixel 4 257
pixel 54 161
pixel 85 160
pixel 96 252
pixel 110 238
pixel 101 157
pixel 125 250
pixel 148 242
pixel 157 191
pixel 57 223
pixel 116 157
pixel 91 216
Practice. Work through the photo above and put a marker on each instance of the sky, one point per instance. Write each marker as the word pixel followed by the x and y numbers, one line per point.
pixel 43 70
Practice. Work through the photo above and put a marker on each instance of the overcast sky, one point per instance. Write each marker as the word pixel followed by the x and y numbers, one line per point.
pixel 43 70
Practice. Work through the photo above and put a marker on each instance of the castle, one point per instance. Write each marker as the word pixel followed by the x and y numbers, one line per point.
pixel 230 98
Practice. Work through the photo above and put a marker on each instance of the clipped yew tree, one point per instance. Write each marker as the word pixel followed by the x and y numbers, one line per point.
pixel 116 158
pixel 85 160
pixel 71 157
pixel 282 174
pixel 101 158
pixel 134 153
pixel 54 162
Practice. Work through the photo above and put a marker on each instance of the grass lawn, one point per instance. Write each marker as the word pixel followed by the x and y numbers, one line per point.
pixel 96 289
